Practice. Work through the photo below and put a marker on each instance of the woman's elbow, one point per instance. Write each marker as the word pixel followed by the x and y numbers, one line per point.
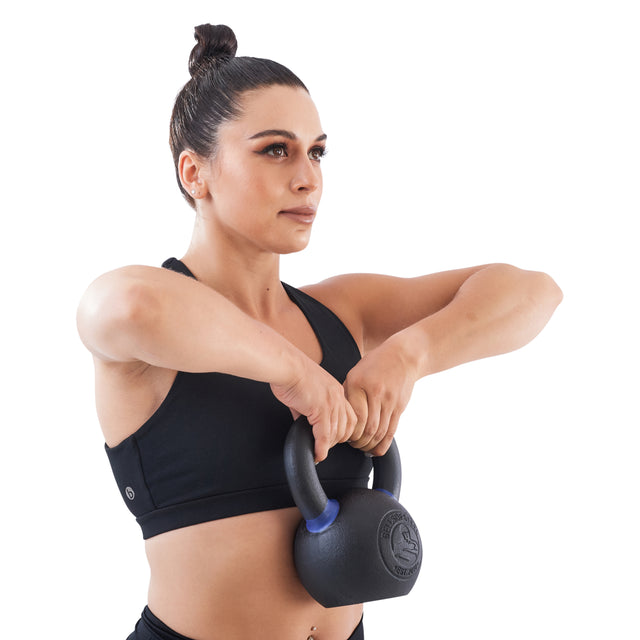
pixel 547 291
pixel 533 290
pixel 539 287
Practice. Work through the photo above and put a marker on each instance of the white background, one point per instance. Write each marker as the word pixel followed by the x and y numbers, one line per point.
pixel 459 133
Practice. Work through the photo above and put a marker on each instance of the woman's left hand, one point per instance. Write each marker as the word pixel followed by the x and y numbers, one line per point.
pixel 379 388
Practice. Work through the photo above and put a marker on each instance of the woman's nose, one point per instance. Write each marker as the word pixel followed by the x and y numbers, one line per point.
pixel 307 176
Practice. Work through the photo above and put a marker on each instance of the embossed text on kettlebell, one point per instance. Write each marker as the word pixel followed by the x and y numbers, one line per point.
pixel 399 544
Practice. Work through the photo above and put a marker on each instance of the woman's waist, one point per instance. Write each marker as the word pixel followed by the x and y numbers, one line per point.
pixel 237 575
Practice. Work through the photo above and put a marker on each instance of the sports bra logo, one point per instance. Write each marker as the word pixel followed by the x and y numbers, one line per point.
pixel 130 493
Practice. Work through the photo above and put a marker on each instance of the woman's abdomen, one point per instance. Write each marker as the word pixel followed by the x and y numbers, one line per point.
pixel 235 578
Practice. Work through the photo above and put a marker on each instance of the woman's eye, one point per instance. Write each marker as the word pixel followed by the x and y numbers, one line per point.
pixel 280 150
pixel 276 150
pixel 317 153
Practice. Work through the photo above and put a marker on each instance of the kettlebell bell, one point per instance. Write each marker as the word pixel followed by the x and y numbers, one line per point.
pixel 361 548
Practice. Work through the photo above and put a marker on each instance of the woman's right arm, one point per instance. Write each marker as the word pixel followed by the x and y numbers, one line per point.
pixel 168 320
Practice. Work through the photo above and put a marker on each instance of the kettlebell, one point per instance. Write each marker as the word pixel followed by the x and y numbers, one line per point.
pixel 364 547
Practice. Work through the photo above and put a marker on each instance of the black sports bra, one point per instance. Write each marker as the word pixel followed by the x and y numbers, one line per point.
pixel 213 449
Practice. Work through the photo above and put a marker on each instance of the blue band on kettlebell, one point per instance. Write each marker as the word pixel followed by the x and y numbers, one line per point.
pixel 387 492
pixel 325 519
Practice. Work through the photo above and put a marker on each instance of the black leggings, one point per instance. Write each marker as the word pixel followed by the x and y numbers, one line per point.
pixel 151 628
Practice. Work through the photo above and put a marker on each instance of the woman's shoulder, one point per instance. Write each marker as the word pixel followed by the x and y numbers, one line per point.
pixel 128 273
pixel 112 303
pixel 118 283
pixel 349 293
pixel 343 295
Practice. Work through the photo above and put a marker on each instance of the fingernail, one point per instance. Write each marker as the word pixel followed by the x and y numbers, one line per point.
pixel 369 455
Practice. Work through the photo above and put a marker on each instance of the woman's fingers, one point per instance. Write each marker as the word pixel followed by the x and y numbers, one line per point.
pixel 357 399
pixel 379 388
pixel 347 423
pixel 322 442
pixel 371 427
pixel 385 442
pixel 316 394
pixel 379 428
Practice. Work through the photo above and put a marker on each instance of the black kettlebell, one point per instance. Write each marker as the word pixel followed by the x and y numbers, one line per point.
pixel 365 547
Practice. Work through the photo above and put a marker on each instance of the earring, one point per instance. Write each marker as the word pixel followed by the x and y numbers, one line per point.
pixel 193 192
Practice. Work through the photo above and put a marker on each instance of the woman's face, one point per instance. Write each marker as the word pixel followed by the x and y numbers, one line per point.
pixel 265 178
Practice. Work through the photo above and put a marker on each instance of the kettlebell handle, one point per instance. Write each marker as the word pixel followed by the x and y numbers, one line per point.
pixel 304 483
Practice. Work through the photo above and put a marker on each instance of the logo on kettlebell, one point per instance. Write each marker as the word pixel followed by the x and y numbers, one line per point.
pixel 399 543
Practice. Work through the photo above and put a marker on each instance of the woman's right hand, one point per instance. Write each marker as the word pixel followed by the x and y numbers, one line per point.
pixel 316 394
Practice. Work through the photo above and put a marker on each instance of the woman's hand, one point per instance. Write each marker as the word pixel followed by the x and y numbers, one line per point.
pixel 316 394
pixel 378 388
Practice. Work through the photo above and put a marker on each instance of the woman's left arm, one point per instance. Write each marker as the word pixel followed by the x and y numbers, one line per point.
pixel 413 327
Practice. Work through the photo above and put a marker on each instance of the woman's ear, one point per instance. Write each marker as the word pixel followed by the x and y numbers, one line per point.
pixel 191 169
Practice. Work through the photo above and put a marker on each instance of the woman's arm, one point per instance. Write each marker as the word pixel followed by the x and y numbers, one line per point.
pixel 497 309
pixel 167 320
pixel 414 327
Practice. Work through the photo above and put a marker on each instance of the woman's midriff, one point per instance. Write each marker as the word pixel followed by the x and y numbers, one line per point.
pixel 235 579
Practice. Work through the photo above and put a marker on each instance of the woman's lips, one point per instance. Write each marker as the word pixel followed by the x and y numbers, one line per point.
pixel 301 214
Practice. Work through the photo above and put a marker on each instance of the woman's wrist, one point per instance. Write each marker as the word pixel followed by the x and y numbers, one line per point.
pixel 413 346
pixel 290 367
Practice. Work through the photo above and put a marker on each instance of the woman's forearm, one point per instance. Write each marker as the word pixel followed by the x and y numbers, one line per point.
pixel 168 320
pixel 496 310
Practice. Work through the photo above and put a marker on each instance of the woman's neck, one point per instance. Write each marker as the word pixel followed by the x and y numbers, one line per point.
pixel 250 278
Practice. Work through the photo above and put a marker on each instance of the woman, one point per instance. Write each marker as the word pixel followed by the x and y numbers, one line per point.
pixel 200 365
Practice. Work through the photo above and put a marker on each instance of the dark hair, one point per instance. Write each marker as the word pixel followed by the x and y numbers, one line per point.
pixel 212 96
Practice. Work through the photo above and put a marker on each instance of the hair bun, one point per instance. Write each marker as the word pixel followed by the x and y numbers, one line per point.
pixel 216 44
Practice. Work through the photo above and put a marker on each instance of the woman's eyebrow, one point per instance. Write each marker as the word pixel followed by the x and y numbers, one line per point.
pixel 284 134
